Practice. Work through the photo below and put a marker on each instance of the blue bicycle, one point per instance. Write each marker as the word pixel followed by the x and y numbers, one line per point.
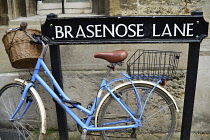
pixel 137 107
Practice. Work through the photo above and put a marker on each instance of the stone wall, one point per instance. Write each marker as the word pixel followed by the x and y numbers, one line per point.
pixel 153 7
pixel 82 73
pixel 4 18
pixel 176 87
pixel 11 9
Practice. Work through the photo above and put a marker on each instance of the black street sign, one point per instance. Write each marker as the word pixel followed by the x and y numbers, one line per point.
pixel 97 30
pixel 141 29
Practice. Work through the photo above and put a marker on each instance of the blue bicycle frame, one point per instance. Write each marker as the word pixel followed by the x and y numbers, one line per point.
pixel 62 95
pixel 58 98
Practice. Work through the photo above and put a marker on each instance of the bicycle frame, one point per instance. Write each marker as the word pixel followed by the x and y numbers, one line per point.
pixel 62 95
pixel 58 98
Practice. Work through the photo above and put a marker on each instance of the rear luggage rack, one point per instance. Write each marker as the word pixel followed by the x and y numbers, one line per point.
pixel 153 64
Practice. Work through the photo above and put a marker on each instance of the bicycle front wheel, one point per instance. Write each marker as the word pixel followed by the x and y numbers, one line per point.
pixel 29 126
pixel 158 121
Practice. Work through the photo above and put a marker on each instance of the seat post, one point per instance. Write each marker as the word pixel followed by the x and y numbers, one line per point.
pixel 109 68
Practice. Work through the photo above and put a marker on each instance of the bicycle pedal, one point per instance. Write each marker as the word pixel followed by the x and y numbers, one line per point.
pixel 71 107
pixel 72 102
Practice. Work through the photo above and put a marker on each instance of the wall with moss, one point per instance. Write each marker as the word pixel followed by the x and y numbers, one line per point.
pixel 153 7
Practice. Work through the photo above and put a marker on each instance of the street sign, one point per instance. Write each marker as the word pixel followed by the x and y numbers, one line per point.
pixel 140 29
pixel 145 29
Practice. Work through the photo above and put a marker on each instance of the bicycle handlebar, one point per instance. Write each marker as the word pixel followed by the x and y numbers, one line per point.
pixel 38 39
pixel 23 26
pixel 34 39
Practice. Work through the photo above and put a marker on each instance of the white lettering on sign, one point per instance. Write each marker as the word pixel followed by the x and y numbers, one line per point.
pixel 110 31
pixel 132 30
pixel 68 30
pixel 98 31
pixel 182 32
pixel 189 28
pixel 166 31
pixel 89 27
pixel 185 30
pixel 123 30
pixel 139 30
pixel 59 33
pixel 80 32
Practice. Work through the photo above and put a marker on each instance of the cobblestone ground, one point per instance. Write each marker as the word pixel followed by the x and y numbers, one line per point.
pixel 77 136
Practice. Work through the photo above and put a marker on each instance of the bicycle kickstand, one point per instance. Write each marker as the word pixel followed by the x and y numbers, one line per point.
pixel 84 133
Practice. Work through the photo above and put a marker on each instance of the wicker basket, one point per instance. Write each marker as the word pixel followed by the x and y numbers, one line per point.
pixel 21 52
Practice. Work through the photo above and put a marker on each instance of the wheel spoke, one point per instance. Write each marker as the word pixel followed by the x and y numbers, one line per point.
pixel 27 127
pixel 158 120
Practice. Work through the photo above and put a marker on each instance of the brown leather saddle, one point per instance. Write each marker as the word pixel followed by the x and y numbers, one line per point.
pixel 112 57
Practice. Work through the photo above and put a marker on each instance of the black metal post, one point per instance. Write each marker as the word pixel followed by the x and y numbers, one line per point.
pixel 192 70
pixel 63 8
pixel 23 8
pixel 57 73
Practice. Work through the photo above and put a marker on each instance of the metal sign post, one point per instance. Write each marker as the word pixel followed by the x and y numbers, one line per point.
pixel 57 73
pixel 190 29
pixel 192 70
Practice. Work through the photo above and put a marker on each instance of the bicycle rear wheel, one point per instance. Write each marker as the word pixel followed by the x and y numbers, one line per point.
pixel 158 120
pixel 27 128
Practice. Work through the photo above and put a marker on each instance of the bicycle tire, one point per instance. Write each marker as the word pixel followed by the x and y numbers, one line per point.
pixel 163 117
pixel 30 126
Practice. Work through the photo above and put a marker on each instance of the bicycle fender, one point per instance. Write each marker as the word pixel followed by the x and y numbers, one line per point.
pixel 40 103
pixel 135 82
